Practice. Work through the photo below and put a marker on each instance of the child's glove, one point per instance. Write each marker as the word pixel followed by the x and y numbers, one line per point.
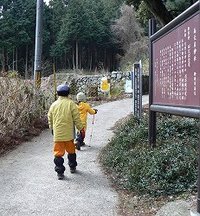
pixel 96 110
pixel 82 132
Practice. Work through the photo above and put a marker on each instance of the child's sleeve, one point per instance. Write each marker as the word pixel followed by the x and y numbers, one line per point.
pixel 90 110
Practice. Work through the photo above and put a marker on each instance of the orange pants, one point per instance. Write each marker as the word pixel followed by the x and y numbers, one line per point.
pixel 61 146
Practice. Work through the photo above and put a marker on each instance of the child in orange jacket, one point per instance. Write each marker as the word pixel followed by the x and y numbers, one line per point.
pixel 84 108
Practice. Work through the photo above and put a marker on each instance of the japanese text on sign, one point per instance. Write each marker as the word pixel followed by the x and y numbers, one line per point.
pixel 176 65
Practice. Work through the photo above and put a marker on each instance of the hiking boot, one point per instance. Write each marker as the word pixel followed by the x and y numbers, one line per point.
pixel 82 144
pixel 73 170
pixel 78 146
pixel 60 176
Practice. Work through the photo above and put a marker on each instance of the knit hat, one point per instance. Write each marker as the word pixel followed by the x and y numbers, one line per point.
pixel 81 97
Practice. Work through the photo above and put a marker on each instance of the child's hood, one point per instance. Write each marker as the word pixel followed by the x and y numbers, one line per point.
pixel 82 106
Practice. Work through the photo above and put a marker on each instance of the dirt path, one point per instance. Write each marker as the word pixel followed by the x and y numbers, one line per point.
pixel 29 185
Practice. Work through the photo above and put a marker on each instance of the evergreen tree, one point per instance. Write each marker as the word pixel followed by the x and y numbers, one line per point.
pixel 163 11
pixel 86 30
pixel 6 32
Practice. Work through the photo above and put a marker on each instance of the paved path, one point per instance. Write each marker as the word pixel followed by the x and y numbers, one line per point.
pixel 29 185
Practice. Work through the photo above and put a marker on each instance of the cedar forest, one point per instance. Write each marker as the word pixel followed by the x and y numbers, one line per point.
pixel 80 34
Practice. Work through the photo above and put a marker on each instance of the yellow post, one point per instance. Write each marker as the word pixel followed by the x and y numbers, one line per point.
pixel 37 79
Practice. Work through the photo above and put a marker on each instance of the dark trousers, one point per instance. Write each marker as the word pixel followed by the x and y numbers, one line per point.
pixel 59 150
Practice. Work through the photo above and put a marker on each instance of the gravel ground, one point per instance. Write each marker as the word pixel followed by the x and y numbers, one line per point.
pixel 29 185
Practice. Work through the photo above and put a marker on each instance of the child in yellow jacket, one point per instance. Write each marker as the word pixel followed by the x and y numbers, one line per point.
pixel 84 108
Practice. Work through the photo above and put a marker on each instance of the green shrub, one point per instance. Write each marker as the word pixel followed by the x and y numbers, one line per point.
pixel 13 74
pixel 117 90
pixel 170 168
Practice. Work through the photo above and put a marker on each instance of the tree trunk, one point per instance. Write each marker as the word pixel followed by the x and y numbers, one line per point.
pixel 159 10
pixel 5 60
pixel 32 66
pixel 13 60
pixel 76 55
pixel 73 63
pixel 104 59
pixel 1 59
pixel 80 57
pixel 109 59
pixel 90 59
pixel 16 60
pixel 191 2
pixel 69 65
pixel 26 64
pixel 65 59
pixel 95 58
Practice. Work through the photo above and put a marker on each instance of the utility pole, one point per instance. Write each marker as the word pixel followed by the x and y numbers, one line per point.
pixel 38 44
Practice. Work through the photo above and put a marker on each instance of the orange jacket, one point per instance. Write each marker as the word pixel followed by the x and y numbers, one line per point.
pixel 84 108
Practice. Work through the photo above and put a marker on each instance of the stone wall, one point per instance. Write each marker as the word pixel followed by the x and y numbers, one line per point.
pixel 85 83
pixel 89 84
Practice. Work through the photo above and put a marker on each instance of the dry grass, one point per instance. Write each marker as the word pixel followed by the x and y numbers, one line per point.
pixel 16 99
pixel 20 109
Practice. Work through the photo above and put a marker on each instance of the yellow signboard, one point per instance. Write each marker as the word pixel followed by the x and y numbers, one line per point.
pixel 105 85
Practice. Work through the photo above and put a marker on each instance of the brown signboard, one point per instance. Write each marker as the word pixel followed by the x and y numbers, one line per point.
pixel 176 65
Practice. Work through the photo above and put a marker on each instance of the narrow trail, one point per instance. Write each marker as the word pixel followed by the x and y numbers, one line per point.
pixel 29 185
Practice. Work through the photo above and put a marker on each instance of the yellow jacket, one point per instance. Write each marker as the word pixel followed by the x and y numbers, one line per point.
pixel 63 115
pixel 84 108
